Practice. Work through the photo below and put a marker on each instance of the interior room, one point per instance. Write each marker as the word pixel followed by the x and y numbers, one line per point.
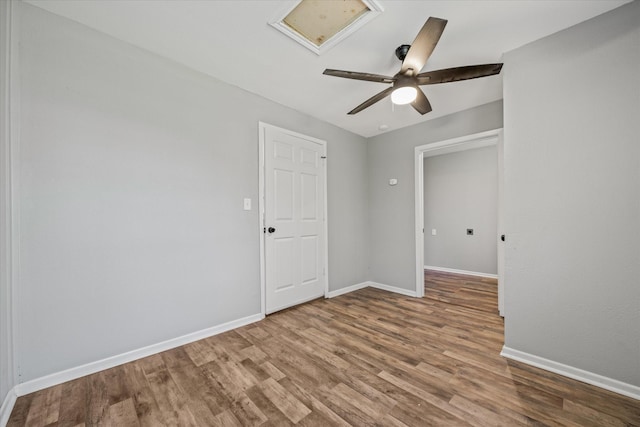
pixel 147 150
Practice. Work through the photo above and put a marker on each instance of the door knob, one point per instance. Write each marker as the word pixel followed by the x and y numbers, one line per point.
pixel 502 237
pixel 271 230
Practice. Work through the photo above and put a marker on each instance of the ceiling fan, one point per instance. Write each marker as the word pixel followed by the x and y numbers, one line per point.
pixel 404 85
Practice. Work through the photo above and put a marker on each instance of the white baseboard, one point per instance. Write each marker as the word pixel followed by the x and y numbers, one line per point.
pixel 7 407
pixel 376 285
pixel 395 289
pixel 456 271
pixel 597 380
pixel 110 362
pixel 352 288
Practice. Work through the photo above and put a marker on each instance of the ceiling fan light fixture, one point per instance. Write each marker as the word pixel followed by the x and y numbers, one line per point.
pixel 404 95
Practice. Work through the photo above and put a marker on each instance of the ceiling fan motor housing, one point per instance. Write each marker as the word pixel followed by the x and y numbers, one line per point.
pixel 401 51
pixel 402 80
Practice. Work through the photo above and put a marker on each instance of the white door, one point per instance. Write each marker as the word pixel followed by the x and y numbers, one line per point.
pixel 294 218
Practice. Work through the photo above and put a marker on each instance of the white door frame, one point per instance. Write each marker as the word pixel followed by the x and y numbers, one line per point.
pixel 262 127
pixel 482 139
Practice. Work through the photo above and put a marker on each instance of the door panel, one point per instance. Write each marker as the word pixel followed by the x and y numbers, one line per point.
pixel 309 255
pixel 283 195
pixel 309 193
pixel 283 250
pixel 294 207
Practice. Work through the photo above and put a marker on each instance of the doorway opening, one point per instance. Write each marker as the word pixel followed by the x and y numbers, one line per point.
pixel 483 139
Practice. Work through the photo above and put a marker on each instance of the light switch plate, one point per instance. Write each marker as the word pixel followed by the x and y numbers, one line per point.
pixel 247 204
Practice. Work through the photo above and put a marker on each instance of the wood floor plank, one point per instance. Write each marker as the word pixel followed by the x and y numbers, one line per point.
pixel 359 400
pixel 272 371
pixel 367 358
pixel 225 419
pixel 115 385
pixel 286 402
pixel 479 412
pixel 21 410
pixel 144 403
pixel 319 353
pixel 229 377
pixel 171 400
pixel 72 414
pixel 254 353
pixel 498 406
pixel 97 402
pixel 45 407
pixel 247 412
pixel 200 352
pixel 429 398
pixel 256 370
pixel 203 401
pixel 622 407
pixel 434 371
pixel 123 414
pixel 345 408
pixel 273 415
pixel 511 401
pixel 379 398
pixel 594 416
pixel 390 421
pixel 320 412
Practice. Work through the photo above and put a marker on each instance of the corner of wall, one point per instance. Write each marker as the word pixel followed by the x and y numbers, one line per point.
pixel 7 368
pixel 7 407
pixel 597 380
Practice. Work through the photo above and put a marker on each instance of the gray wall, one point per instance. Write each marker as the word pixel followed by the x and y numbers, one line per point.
pixel 132 173
pixel 460 192
pixel 392 208
pixel 6 349
pixel 572 183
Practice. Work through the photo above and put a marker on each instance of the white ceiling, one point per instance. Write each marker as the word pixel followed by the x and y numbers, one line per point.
pixel 232 41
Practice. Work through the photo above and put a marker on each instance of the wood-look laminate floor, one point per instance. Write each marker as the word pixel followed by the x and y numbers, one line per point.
pixel 474 292
pixel 368 358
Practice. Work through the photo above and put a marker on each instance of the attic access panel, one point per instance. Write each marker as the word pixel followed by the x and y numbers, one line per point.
pixel 319 25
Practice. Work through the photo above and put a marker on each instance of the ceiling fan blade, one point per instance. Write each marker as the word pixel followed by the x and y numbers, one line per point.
pixel 359 76
pixel 369 102
pixel 421 104
pixel 458 73
pixel 423 45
